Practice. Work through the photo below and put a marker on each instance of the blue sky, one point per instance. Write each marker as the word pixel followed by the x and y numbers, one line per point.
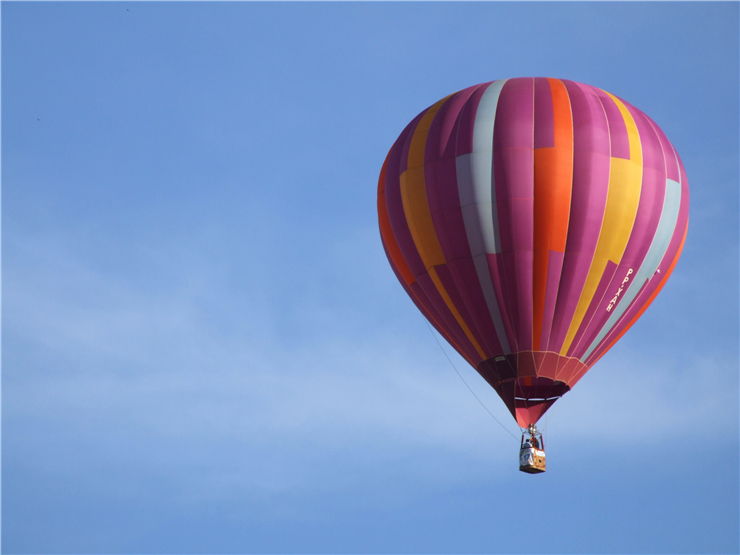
pixel 205 350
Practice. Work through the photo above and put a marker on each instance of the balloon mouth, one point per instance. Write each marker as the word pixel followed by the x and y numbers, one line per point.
pixel 525 391
pixel 529 398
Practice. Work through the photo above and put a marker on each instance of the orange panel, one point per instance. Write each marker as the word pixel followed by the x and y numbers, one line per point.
pixel 553 181
pixel 386 233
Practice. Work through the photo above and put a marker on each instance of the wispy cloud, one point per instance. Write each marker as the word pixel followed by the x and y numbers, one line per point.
pixel 154 360
pixel 110 366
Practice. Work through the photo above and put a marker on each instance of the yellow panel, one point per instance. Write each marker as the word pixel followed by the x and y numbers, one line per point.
pixel 414 194
pixel 419 218
pixel 623 197
pixel 419 138
pixel 455 313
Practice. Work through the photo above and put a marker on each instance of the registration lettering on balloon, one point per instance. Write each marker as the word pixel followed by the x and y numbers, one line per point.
pixel 615 298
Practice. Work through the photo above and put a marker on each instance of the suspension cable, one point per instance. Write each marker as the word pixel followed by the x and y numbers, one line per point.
pixel 459 375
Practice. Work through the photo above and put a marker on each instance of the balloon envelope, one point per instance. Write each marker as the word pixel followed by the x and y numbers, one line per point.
pixel 532 221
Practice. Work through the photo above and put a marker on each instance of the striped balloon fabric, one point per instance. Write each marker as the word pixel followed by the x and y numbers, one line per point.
pixel 532 221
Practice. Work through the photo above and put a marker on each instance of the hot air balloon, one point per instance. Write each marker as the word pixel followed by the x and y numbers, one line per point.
pixel 532 221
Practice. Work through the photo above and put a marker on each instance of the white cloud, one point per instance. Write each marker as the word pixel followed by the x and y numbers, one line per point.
pixel 122 367
pixel 632 398
pixel 245 409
